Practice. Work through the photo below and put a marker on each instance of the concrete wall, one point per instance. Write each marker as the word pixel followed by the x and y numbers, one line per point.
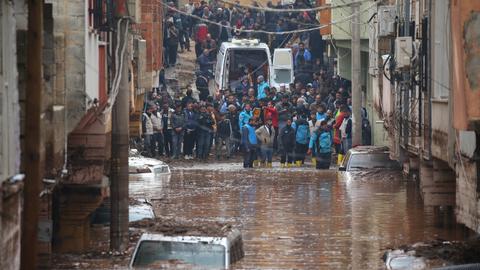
pixel 10 193
pixel 465 35
pixel 342 30
pixel 9 106
pixel 10 227
pixel 440 81
pixel 70 54
pixel 467 200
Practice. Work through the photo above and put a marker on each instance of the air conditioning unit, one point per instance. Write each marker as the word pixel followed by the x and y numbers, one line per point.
pixel 403 52
pixel 134 10
pixel 386 21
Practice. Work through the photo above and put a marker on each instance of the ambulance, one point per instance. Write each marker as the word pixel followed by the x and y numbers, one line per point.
pixel 249 58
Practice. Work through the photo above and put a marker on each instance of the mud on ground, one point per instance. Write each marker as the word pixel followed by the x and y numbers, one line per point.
pixel 190 228
pixel 456 252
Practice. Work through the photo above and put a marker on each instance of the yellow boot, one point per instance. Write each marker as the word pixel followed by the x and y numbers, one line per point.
pixel 314 162
pixel 298 163
pixel 282 165
pixel 289 165
pixel 339 159
pixel 269 165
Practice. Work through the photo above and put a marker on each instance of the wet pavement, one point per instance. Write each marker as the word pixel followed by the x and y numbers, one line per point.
pixel 299 218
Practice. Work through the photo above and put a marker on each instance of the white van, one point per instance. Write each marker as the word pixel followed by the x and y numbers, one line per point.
pixel 237 58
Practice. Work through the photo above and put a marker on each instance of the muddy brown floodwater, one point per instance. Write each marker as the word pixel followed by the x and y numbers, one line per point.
pixel 299 218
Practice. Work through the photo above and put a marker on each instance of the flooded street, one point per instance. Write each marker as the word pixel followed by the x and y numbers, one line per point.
pixel 298 218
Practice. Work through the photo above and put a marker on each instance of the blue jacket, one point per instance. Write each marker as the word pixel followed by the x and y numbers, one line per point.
pixel 249 138
pixel 322 143
pixel 321 116
pixel 261 90
pixel 302 131
pixel 306 55
pixel 244 117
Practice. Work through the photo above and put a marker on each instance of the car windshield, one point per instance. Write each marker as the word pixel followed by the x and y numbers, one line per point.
pixel 371 161
pixel 200 253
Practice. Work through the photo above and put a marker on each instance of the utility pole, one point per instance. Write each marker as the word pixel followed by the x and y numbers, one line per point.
pixel 33 153
pixel 356 82
pixel 120 119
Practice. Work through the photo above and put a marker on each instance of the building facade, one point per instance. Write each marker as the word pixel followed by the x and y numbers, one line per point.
pixel 428 98
pixel 340 36
pixel 10 179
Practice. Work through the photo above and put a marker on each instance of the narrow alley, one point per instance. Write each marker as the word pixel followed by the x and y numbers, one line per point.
pixel 238 134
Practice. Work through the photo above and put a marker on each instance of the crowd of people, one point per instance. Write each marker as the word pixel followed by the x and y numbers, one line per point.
pixel 311 116
pixel 257 120
pixel 210 24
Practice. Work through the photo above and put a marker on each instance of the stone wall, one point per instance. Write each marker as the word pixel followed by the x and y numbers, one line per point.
pixel 467 201
pixel 69 35
pixel 10 193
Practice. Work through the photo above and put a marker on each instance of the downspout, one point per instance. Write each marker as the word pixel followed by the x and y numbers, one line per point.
pixel 452 135
pixel 429 84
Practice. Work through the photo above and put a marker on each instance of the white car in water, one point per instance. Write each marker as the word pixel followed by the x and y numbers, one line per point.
pixel 206 252
pixel 368 158
pixel 235 58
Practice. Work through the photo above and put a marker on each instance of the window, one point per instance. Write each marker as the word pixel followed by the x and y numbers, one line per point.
pixel 199 253
pixel 97 13
pixel 371 161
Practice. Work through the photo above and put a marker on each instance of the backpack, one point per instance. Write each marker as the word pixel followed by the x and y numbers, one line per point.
pixel 324 142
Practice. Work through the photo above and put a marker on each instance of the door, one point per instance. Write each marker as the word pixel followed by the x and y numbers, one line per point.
pixel 226 69
pixel 102 74
pixel 219 67
pixel 282 68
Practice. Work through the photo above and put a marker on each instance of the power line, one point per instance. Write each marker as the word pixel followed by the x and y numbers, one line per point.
pixel 269 9
pixel 263 31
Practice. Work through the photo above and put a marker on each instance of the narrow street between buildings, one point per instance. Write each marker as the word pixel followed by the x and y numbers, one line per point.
pixel 240 134
pixel 298 218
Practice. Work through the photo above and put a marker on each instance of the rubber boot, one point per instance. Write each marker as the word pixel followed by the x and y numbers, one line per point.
pixel 269 165
pixel 314 162
pixel 298 163
pixel 339 159
pixel 283 165
pixel 289 165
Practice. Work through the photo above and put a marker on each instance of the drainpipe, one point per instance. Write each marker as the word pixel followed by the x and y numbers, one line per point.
pixel 429 84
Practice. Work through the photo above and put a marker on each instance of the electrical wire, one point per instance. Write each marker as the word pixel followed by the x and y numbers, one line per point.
pixel 118 68
pixel 263 31
pixel 269 9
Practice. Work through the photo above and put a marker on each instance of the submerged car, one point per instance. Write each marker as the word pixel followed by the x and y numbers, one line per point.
pixel 368 158
pixel 207 252
pixel 140 164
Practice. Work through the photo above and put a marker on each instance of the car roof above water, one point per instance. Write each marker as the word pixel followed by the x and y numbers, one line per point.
pixel 244 44
pixel 369 150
